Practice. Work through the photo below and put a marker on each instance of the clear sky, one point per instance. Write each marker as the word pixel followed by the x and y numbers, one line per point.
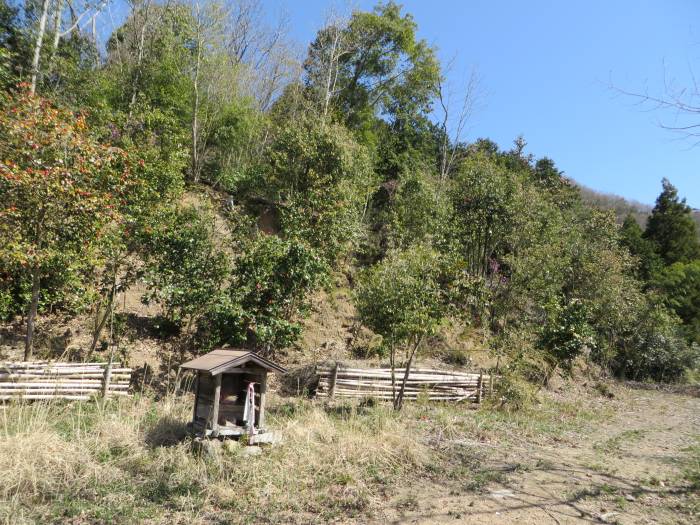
pixel 545 68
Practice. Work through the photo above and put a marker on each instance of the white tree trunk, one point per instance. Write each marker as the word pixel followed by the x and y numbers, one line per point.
pixel 195 114
pixel 332 73
pixel 57 24
pixel 38 43
pixel 139 58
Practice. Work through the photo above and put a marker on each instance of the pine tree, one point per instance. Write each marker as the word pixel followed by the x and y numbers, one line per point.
pixel 671 227
pixel 632 237
pixel 679 285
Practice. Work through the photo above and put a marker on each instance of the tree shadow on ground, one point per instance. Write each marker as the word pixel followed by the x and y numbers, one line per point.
pixel 167 432
pixel 164 380
pixel 673 388
pixel 164 376
pixel 348 408
pixel 299 381
pixel 12 335
pixel 142 378
pixel 152 327
pixel 47 344
pixel 510 497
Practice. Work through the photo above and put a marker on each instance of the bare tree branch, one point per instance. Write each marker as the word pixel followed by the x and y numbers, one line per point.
pixel 683 103
pixel 453 128
pixel 93 11
pixel 38 43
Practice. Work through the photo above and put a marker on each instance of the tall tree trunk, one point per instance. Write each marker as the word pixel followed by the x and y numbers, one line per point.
pixel 392 360
pixel 57 14
pixel 31 314
pixel 57 25
pixel 139 60
pixel 195 117
pixel 332 73
pixel 38 43
pixel 398 403
pixel 102 322
pixel 36 287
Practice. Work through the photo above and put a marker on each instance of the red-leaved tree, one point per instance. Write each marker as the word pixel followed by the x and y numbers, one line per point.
pixel 59 188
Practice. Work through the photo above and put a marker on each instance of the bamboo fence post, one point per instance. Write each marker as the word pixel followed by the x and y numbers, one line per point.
pixel 196 398
pixel 215 409
pixel 334 378
pixel 107 377
pixel 479 386
pixel 263 392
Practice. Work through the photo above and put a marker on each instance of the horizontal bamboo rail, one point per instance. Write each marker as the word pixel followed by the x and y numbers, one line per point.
pixel 44 364
pixel 431 384
pixel 38 384
pixel 72 381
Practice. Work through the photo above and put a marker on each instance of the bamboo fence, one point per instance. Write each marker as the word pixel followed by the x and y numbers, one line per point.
pixel 47 380
pixel 435 385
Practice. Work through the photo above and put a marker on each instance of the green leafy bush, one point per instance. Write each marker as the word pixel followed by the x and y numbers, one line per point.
pixel 680 288
pixel 401 299
pixel 568 332
pixel 321 181
pixel 418 214
pixel 185 270
pixel 655 348
pixel 269 294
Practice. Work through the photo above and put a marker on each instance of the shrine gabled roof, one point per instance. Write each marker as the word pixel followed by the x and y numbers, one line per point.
pixel 221 360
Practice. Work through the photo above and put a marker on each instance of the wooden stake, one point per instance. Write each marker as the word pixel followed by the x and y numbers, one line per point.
pixel 108 377
pixel 479 387
pixel 196 398
pixel 261 412
pixel 215 409
pixel 334 378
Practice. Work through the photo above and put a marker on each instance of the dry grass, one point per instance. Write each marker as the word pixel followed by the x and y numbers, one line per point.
pixel 131 461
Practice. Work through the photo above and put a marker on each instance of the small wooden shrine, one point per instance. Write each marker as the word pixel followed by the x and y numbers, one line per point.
pixel 230 391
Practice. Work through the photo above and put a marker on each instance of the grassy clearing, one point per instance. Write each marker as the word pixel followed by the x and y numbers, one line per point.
pixel 691 471
pixel 549 419
pixel 614 444
pixel 131 461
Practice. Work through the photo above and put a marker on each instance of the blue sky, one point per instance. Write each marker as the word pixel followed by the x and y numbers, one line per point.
pixel 545 68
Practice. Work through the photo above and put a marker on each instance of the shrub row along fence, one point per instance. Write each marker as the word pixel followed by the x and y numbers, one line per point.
pixel 436 385
pixel 45 380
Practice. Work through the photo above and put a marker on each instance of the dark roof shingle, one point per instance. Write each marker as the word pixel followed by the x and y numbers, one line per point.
pixel 220 360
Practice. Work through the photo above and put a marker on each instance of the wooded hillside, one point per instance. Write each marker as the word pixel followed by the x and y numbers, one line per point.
pixel 623 207
pixel 193 156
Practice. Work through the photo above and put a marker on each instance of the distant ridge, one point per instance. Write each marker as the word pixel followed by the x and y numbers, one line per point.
pixel 622 206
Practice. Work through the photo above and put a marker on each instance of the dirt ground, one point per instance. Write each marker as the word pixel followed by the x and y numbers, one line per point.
pixel 624 466
pixel 626 469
